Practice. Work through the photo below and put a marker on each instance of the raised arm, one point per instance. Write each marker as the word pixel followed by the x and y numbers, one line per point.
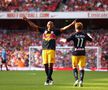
pixel 68 26
pixel 33 25
pixel 90 38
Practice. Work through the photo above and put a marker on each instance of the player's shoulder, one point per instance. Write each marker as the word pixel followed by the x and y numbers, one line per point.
pixel 78 33
pixel 56 29
pixel 74 33
pixel 83 33
pixel 42 29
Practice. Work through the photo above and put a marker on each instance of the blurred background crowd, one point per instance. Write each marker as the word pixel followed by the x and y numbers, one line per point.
pixel 16 36
pixel 17 42
pixel 53 5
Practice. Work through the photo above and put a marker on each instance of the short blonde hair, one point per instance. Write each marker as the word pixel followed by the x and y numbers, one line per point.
pixel 79 26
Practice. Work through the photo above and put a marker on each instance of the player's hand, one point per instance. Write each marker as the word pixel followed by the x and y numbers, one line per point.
pixel 25 18
pixel 62 40
pixel 89 35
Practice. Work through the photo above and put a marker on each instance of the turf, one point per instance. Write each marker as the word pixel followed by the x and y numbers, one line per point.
pixel 63 80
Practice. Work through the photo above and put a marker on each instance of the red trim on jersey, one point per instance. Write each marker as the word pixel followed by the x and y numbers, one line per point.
pixel 51 36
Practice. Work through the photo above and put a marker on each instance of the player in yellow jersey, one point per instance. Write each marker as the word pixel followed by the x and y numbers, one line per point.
pixel 49 45
pixel 79 39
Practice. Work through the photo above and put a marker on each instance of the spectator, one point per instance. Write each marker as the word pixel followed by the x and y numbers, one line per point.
pixel 53 5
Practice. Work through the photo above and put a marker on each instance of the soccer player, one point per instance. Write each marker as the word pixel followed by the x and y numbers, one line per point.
pixel 4 59
pixel 49 45
pixel 79 39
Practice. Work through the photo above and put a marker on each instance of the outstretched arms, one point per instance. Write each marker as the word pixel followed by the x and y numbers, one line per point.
pixel 68 26
pixel 34 26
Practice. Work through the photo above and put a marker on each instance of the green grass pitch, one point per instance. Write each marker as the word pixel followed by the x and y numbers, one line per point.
pixel 63 80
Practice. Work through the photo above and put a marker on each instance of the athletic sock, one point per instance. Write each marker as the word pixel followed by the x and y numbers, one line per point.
pixel 75 72
pixel 81 75
pixel 50 74
pixel 50 71
pixel 46 70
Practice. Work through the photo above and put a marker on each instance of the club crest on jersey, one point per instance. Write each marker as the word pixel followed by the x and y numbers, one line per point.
pixel 49 36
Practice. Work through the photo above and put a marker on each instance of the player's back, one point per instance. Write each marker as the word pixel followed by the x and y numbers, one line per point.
pixel 80 39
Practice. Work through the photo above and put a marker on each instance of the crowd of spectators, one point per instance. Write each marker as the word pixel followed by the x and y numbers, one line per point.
pixel 17 46
pixel 53 5
pixel 85 5
pixel 29 5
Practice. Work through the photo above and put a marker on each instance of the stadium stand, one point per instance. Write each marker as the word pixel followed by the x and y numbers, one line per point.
pixel 18 40
pixel 53 5
pixel 18 43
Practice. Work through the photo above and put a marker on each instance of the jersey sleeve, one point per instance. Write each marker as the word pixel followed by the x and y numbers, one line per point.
pixel 57 32
pixel 41 30
pixel 70 38
pixel 89 38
